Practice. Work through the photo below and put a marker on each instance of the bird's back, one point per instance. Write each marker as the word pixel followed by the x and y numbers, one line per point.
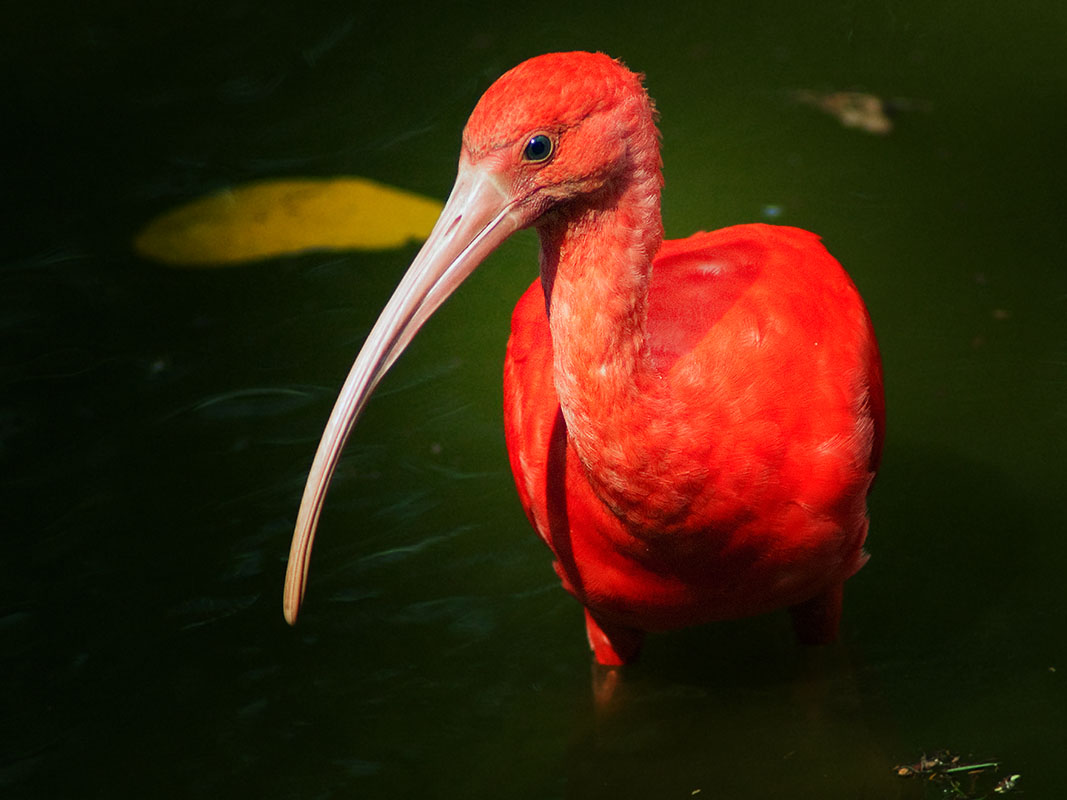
pixel 766 310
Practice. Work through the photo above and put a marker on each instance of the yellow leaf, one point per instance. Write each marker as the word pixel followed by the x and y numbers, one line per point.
pixel 280 217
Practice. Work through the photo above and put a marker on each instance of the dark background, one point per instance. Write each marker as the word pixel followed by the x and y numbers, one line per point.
pixel 156 425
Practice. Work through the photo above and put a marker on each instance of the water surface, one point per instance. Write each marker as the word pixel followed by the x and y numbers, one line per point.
pixel 156 425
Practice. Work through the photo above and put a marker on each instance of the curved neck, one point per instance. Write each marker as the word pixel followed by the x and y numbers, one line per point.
pixel 596 265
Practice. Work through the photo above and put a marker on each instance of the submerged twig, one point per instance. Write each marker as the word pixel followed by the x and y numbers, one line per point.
pixel 950 772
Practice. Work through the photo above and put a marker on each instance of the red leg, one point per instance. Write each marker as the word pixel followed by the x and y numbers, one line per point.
pixel 612 645
pixel 815 621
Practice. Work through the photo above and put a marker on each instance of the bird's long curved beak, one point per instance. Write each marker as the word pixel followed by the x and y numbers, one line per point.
pixel 478 216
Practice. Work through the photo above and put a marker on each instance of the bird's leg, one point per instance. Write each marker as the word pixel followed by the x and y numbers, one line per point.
pixel 612 645
pixel 815 621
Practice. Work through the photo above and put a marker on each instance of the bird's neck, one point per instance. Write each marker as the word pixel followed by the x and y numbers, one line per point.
pixel 596 266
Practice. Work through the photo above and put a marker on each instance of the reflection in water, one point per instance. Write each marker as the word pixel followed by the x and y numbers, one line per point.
pixel 759 726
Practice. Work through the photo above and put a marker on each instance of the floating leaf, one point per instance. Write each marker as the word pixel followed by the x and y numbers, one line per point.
pixel 280 217
pixel 867 112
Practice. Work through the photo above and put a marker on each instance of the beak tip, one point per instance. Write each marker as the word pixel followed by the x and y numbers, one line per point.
pixel 291 606
pixel 290 616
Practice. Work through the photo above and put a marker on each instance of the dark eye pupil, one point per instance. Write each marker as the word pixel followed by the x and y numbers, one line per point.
pixel 538 148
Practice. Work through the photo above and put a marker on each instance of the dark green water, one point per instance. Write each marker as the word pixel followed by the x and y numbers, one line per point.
pixel 156 425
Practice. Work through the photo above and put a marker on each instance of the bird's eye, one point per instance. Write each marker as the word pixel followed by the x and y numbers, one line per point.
pixel 538 149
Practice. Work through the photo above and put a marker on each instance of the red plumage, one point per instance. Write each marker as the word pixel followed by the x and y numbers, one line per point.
pixel 790 386
pixel 693 425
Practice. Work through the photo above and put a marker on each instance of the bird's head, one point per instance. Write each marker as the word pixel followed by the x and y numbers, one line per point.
pixel 558 127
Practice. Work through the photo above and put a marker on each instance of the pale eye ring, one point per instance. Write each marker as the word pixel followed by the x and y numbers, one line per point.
pixel 539 148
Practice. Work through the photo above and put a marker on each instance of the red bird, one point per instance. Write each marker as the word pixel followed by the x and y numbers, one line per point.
pixel 693 425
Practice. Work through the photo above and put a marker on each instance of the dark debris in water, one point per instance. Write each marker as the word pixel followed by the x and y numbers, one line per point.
pixel 956 777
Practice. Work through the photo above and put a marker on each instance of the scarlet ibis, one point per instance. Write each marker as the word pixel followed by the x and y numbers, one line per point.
pixel 693 425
